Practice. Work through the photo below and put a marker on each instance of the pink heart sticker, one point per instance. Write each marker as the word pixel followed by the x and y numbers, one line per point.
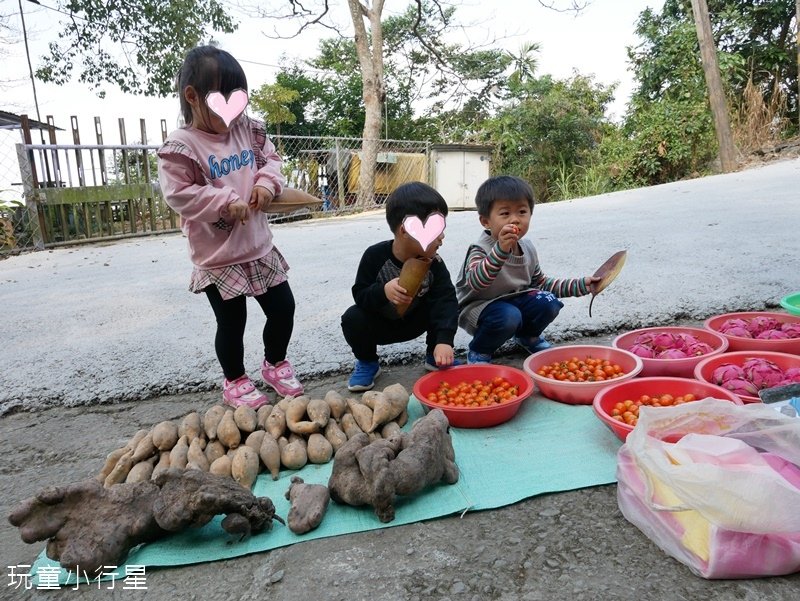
pixel 229 109
pixel 424 233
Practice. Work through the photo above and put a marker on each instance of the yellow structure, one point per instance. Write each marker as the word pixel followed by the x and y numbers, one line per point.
pixel 392 170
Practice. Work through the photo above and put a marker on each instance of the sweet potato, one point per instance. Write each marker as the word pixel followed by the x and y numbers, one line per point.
pixel 293 454
pixel 411 277
pixel 228 432
pixel 178 454
pixel 162 465
pixel 245 418
pixel 195 457
pixel 295 414
pixel 111 461
pixel 244 467
pixel 284 403
pixel 211 420
pixel 349 426
pixel 221 466
pixel 390 429
pixel 402 419
pixel 120 471
pixel 261 416
pixel 335 435
pixel 190 425
pixel 142 471
pixel 145 449
pixel 337 404
pixel 165 435
pixel 270 454
pixel 134 441
pixel 254 440
pixel 214 450
pixel 361 413
pixel 276 422
pixel 319 450
pixel 319 412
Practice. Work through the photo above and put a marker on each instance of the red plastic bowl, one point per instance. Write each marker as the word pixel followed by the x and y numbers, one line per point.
pixel 679 368
pixel 608 397
pixel 737 343
pixel 706 367
pixel 475 417
pixel 579 393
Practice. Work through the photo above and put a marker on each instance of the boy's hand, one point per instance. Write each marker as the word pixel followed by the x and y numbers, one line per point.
pixel 238 210
pixel 261 198
pixel 508 237
pixel 395 293
pixel 443 355
pixel 590 282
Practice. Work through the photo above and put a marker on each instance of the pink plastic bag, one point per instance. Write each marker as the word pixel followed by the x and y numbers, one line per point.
pixel 725 498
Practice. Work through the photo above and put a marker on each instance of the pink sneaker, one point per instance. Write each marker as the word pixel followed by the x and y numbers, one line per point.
pixel 281 377
pixel 242 391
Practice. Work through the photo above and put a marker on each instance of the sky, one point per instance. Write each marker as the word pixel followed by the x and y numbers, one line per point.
pixel 592 42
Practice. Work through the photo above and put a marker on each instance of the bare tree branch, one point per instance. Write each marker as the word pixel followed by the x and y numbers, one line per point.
pixel 573 6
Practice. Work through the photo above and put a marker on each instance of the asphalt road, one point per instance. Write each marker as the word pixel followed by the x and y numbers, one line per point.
pixel 104 340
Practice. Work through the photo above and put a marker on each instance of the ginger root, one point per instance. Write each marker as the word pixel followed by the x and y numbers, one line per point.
pixel 372 473
pixel 126 515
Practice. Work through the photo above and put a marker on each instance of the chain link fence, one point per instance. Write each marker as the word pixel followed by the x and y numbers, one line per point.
pixel 73 193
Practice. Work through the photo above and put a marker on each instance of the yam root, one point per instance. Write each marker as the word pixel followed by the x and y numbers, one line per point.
pixel 372 473
pixel 125 516
pixel 308 505
pixel 337 404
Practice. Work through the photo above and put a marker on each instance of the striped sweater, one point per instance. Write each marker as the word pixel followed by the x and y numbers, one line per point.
pixel 489 273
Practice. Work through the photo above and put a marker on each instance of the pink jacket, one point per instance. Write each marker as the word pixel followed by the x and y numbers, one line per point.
pixel 202 173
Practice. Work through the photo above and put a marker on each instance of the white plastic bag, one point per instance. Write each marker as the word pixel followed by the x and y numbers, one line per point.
pixel 724 499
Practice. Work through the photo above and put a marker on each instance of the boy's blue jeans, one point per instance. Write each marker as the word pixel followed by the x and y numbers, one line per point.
pixel 525 316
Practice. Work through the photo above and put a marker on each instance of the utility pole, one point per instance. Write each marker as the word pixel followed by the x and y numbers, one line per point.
pixel 716 95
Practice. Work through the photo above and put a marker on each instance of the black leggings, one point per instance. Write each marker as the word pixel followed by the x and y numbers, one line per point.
pixel 364 330
pixel 278 305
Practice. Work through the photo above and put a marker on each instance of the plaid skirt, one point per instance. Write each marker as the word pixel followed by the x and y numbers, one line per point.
pixel 249 279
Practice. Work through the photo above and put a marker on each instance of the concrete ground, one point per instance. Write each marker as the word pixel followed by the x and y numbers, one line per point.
pixel 103 340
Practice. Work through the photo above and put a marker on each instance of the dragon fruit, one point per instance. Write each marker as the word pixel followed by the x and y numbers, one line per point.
pixel 664 340
pixel 698 348
pixel 792 329
pixel 762 373
pixel 792 374
pixel 773 335
pixel 732 323
pixel 645 339
pixel 727 372
pixel 642 350
pixel 762 323
pixel 741 386
pixel 672 353
pixel 738 331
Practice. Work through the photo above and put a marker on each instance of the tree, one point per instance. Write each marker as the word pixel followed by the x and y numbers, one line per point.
pixel 272 101
pixel 152 35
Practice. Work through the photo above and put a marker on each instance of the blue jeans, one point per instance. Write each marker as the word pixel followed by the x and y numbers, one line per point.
pixel 526 316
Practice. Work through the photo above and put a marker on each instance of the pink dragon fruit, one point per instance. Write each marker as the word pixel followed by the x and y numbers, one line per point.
pixel 786 382
pixel 726 372
pixel 664 340
pixel 792 375
pixel 762 373
pixel 773 335
pixel 646 338
pixel 698 348
pixel 762 323
pixel 791 329
pixel 732 323
pixel 642 350
pixel 738 331
pixel 741 387
pixel 671 353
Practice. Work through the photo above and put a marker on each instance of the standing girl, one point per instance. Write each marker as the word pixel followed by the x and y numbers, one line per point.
pixel 220 173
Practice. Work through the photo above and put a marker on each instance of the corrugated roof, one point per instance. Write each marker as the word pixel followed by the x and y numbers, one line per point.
pixel 12 121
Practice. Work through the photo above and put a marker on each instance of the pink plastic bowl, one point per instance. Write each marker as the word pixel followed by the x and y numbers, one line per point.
pixel 706 367
pixel 679 368
pixel 475 417
pixel 579 393
pixel 605 400
pixel 737 343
